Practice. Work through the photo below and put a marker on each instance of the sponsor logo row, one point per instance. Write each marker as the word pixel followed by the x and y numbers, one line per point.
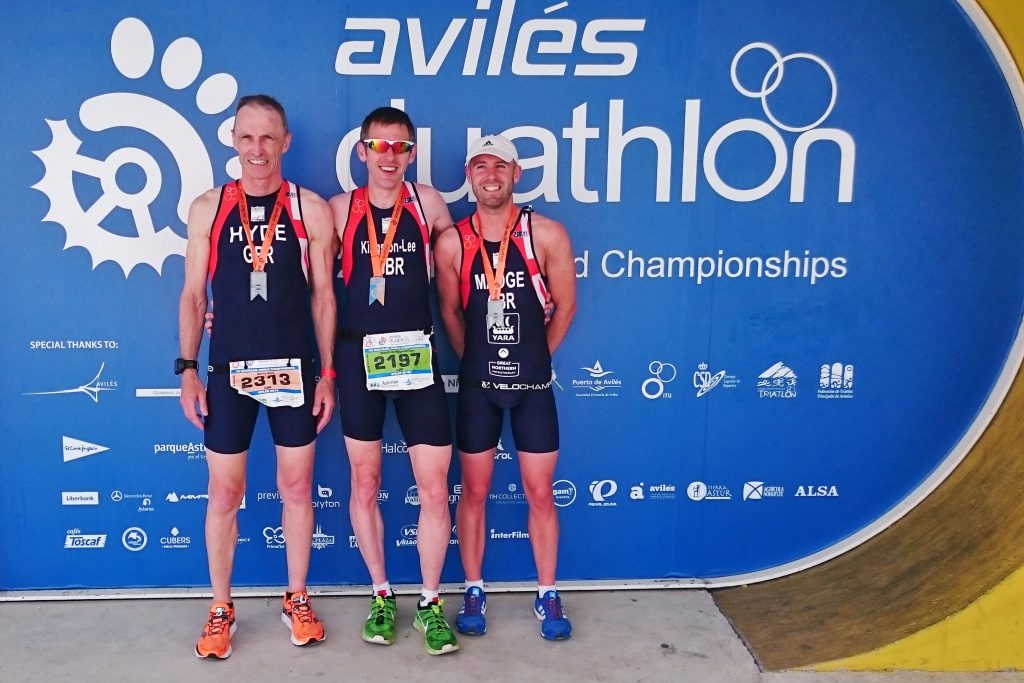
pixel 606 492
pixel 777 381
pixel 602 493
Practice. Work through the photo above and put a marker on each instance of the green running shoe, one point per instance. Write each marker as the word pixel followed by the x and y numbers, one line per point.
pixel 439 639
pixel 380 624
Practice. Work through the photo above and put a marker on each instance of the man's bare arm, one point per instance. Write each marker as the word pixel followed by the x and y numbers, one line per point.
pixel 554 253
pixel 447 257
pixel 193 302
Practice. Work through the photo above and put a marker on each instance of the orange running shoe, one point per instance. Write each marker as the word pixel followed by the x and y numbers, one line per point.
pixel 298 615
pixel 215 640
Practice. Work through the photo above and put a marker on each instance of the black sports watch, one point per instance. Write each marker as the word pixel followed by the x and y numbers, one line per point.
pixel 181 365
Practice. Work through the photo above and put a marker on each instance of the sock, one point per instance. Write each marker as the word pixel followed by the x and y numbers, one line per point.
pixel 541 590
pixel 479 583
pixel 383 588
pixel 426 597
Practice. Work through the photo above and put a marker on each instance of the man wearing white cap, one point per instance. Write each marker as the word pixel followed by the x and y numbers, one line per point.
pixel 507 286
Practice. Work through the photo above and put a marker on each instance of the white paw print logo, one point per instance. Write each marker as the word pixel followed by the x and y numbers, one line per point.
pixel 132 49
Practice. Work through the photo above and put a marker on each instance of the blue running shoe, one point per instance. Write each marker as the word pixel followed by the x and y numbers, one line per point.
pixel 554 625
pixel 470 619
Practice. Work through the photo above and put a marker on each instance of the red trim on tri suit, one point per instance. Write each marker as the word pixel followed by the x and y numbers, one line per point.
pixel 228 202
pixel 523 239
pixel 356 212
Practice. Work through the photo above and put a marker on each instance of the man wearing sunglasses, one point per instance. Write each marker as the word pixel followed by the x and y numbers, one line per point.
pixel 385 351
pixel 507 287
pixel 266 248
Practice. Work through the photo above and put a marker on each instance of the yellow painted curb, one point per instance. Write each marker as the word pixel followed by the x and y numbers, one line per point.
pixel 987 635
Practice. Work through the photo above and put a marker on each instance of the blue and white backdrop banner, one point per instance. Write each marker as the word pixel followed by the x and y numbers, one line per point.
pixel 798 238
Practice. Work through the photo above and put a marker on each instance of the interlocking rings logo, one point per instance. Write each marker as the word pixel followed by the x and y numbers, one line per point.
pixel 654 387
pixel 132 49
pixel 773 79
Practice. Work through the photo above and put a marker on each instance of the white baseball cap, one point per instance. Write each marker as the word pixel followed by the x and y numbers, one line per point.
pixel 497 145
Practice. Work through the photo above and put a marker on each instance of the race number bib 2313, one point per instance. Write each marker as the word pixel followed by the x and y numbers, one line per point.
pixel 274 382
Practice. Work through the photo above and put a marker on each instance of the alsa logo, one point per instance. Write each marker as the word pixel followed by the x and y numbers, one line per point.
pixel 822 491
pixel 584 48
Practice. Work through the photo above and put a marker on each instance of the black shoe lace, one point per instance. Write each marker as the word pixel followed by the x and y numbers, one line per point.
pixel 217 622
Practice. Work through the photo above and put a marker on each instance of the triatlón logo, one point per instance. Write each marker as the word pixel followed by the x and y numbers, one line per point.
pixel 132 49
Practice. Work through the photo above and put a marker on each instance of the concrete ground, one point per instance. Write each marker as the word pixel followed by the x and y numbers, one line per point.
pixel 654 635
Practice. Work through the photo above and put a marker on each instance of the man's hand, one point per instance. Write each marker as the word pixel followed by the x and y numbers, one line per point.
pixel 193 392
pixel 323 402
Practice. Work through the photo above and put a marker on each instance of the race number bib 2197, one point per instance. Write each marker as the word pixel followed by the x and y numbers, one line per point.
pixel 397 361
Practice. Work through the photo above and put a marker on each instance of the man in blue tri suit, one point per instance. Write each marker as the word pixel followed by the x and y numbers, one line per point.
pixel 507 286
pixel 385 351
pixel 266 247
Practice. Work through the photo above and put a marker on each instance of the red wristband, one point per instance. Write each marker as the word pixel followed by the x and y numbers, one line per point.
pixel 328 372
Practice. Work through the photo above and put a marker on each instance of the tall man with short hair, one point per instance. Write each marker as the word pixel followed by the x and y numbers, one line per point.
pixel 266 247
pixel 507 286
pixel 385 351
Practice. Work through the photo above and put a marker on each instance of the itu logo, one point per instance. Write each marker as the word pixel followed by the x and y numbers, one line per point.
pixel 94 226
pixel 661 374
pixel 92 388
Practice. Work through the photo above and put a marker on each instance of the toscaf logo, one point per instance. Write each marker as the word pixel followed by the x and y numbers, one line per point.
pixel 96 228
pixel 76 540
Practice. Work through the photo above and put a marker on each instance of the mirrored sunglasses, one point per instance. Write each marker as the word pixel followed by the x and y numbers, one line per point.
pixel 381 145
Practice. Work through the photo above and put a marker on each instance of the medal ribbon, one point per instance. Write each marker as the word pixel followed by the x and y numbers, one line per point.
pixel 378 256
pixel 259 261
pixel 495 277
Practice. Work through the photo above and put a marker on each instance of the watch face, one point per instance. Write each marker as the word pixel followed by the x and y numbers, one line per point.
pixel 181 365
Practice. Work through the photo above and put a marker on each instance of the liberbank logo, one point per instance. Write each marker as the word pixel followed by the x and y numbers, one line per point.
pixel 80 498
